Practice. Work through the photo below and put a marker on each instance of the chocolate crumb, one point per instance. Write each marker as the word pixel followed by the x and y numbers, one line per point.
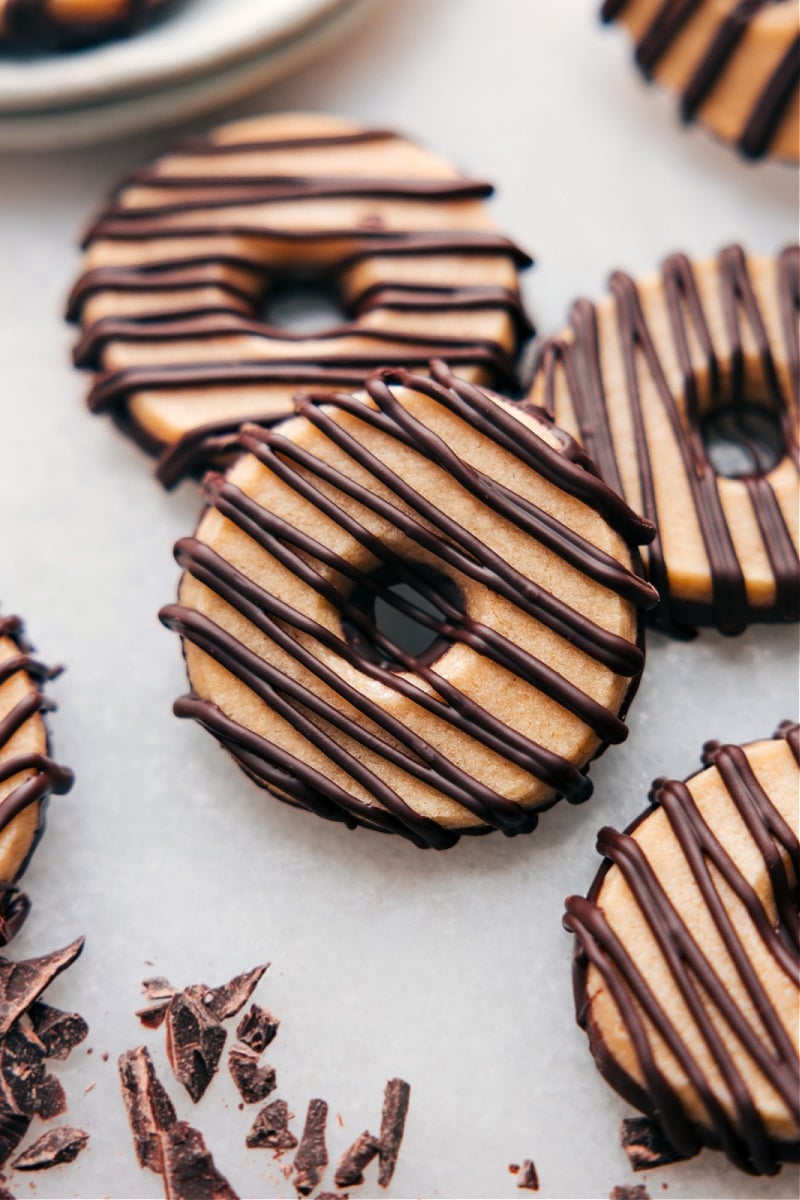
pixel 253 1082
pixel 513 1168
pixel 189 1170
pixel 312 1154
pixel 270 1129
pixel 350 1171
pixel 104 1056
pixel 62 1145
pixel 395 1108
pixel 227 1000
pixel 257 1028
pixel 528 1177
pixel 324 1196
pixel 59 1032
pixel 150 1110
pixel 637 1192
pixel 195 1040
pixel 23 982
pixel 644 1142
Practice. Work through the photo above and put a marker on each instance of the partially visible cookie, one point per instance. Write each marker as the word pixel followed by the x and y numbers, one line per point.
pixel 687 963
pixel 182 266
pixel 27 772
pixel 734 63
pixel 683 387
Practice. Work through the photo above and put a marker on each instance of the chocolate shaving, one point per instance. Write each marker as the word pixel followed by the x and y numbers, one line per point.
pixel 528 1177
pixel 13 1127
pixel 149 1108
pixel 350 1171
pixel 227 1000
pixel 257 1028
pixel 153 1018
pixel 629 1193
pixel 31 1089
pixel 644 1142
pixel 312 1154
pixel 62 1145
pixel 395 1108
pixel 270 1130
pixel 195 1041
pixel 23 982
pixel 189 1170
pixel 59 1032
pixel 253 1082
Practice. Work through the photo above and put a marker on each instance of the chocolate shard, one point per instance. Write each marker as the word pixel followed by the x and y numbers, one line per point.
pixel 59 1032
pixel 195 1040
pixel 629 1193
pixel 153 1017
pixel 393 1121
pixel 23 982
pixel 311 1158
pixel 14 909
pixel 528 1176
pixel 350 1170
pixel 646 1146
pixel 270 1130
pixel 62 1145
pixel 158 988
pixel 149 1108
pixel 319 1196
pixel 257 1028
pixel 189 1170
pixel 229 999
pixel 5 1194
pixel 22 1066
pixel 253 1082
pixel 49 1099
pixel 13 1127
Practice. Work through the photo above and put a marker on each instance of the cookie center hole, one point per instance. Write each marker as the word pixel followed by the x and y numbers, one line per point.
pixel 303 308
pixel 388 614
pixel 742 440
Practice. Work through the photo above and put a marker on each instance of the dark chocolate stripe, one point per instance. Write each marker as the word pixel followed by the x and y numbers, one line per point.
pixel 763 122
pixel 322 485
pixel 745 1140
pixel 718 54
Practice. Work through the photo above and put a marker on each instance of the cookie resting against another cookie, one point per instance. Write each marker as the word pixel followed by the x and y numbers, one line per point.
pixel 60 24
pixel 27 773
pixel 518 564
pixel 683 387
pixel 734 63
pixel 687 962
pixel 182 268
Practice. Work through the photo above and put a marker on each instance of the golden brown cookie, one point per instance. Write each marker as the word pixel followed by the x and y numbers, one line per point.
pixel 683 387
pixel 518 564
pixel 27 773
pixel 180 265
pixel 51 24
pixel 687 961
pixel 734 63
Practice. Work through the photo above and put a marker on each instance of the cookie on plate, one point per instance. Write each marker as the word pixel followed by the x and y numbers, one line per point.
pixel 683 387
pixel 687 960
pixel 482 524
pixel 178 299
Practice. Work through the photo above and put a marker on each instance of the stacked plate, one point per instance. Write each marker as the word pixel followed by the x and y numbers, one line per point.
pixel 200 54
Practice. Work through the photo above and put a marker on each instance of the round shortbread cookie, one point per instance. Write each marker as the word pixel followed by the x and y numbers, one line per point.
pixel 27 773
pixel 683 387
pixel 734 63
pixel 687 963
pixel 56 24
pixel 490 515
pixel 179 267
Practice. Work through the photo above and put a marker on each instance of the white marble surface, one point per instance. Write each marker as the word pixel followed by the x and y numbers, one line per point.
pixel 451 970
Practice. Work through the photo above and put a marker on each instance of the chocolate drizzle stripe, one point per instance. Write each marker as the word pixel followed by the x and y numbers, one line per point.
pixel 296 634
pixel 578 362
pixel 767 1043
pixel 669 21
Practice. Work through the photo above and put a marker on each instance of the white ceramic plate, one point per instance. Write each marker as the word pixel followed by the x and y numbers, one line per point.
pixel 49 129
pixel 189 41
